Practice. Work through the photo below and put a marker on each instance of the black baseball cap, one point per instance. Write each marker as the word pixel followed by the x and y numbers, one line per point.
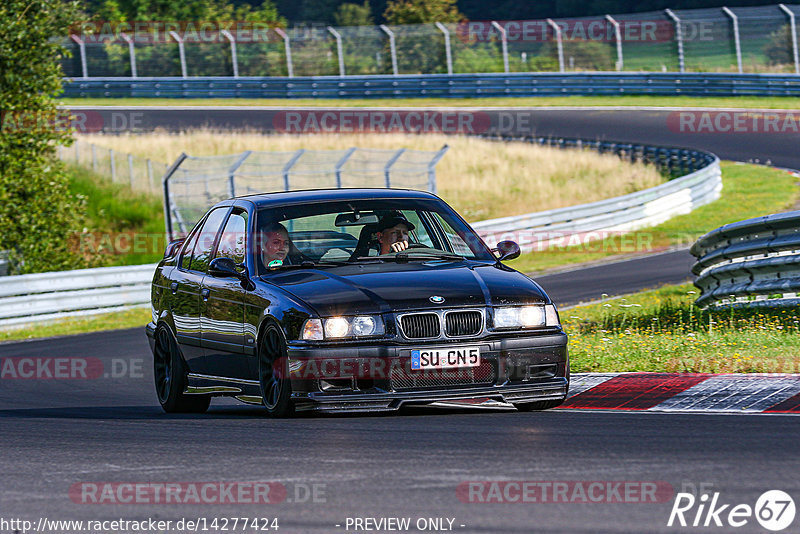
pixel 391 220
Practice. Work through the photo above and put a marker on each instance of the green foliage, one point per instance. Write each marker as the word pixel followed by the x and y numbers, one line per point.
pixel 353 15
pixel 779 47
pixel 38 214
pixel 422 11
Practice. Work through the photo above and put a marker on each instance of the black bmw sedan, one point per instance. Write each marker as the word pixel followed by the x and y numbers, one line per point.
pixel 349 300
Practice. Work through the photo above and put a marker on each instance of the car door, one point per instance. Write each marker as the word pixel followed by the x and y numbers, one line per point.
pixel 186 286
pixel 222 305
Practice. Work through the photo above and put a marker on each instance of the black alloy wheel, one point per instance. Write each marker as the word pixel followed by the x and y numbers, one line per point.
pixel 169 372
pixel 273 377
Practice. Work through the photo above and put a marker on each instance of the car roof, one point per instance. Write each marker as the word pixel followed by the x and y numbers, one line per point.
pixel 334 195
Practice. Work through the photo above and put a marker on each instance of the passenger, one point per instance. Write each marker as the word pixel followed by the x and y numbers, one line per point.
pixel 393 233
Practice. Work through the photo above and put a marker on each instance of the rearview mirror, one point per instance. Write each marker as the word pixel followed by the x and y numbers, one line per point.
pixel 507 250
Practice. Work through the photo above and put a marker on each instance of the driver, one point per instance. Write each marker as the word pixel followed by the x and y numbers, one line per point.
pixel 393 233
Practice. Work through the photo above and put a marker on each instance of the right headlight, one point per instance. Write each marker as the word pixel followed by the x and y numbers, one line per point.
pixel 516 317
pixel 342 327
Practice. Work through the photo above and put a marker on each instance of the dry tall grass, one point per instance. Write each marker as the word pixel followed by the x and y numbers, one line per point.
pixel 481 179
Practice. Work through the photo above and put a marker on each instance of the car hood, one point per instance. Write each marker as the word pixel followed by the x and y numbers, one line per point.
pixel 380 288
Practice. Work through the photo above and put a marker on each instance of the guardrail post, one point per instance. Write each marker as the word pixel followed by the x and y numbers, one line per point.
pixel 167 203
pixel 288 48
pixel 559 44
pixel 232 172
pixel 339 165
pixel 131 52
pixel 504 43
pixel 618 39
pixel 388 166
pixel 181 52
pixel 392 47
pixel 432 168
pixel 94 157
pixel 793 29
pixel 77 151
pixel 150 173
pixel 130 169
pixel 339 51
pixel 736 41
pixel 678 38
pixel 289 165
pixel 113 165
pixel 234 60
pixel 447 52
pixel 82 52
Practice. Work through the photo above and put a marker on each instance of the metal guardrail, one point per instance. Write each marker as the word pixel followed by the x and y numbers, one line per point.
pixel 751 262
pixel 442 86
pixel 30 298
pixel 700 184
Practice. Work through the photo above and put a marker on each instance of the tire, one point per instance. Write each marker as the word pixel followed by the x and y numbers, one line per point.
pixel 169 371
pixel 273 378
pixel 538 405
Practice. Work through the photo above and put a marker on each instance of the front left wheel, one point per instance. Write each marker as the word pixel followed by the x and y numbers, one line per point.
pixel 273 375
pixel 169 372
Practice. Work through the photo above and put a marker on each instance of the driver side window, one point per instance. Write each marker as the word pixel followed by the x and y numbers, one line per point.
pixel 232 242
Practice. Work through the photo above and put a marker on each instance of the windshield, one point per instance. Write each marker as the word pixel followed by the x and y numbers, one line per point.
pixel 360 231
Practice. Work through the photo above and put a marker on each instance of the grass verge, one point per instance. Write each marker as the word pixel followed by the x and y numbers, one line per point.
pixel 772 102
pixel 481 179
pixel 662 331
pixel 133 318
pixel 123 227
pixel 748 191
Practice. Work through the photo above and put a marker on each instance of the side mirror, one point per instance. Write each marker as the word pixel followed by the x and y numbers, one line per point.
pixel 508 250
pixel 226 268
pixel 173 247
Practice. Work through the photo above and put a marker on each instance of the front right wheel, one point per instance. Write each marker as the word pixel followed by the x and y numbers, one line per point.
pixel 273 376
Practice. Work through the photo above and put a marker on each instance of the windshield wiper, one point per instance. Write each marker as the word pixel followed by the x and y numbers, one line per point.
pixel 306 265
pixel 402 257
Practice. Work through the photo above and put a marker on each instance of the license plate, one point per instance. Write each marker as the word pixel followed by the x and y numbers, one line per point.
pixel 446 357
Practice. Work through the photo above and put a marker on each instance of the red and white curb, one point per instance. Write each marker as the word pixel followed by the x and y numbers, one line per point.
pixel 674 392
pixel 679 392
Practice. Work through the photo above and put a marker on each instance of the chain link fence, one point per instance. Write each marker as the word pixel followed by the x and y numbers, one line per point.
pixel 739 39
pixel 140 174
pixel 191 185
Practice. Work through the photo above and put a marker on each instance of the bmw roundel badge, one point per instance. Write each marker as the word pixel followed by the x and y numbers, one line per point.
pixel 436 299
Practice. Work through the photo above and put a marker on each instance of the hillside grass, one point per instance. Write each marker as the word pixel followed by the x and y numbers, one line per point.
pixel 481 179
pixel 663 331
pixel 747 191
pixel 123 227
pixel 768 102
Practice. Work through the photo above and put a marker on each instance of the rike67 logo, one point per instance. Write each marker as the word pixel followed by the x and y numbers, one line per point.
pixel 774 510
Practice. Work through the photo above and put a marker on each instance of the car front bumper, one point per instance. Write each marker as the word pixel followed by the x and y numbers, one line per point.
pixel 513 370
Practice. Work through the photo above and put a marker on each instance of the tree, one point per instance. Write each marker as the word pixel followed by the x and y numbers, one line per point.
pixel 39 218
pixel 353 15
pixel 422 11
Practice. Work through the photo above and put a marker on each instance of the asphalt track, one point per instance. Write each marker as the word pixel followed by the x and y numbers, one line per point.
pixel 58 433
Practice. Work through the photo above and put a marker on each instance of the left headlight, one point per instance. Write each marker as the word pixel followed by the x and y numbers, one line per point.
pixel 508 317
pixel 342 327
